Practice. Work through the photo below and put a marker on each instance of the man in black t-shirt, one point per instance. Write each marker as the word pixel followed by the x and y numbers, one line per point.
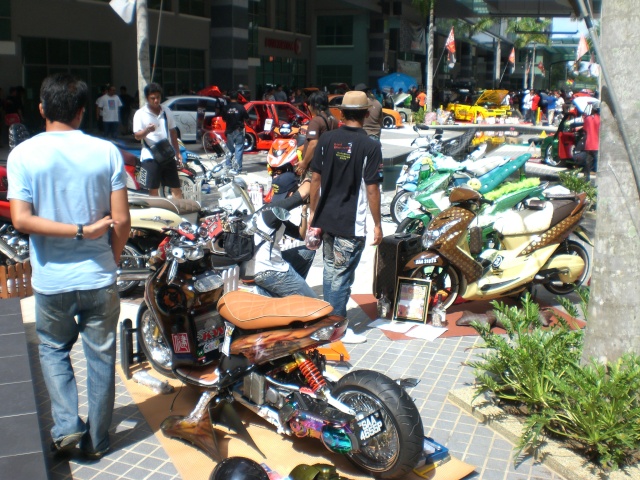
pixel 234 116
pixel 346 175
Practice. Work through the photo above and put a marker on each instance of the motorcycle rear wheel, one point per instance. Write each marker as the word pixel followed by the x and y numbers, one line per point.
pixel 571 247
pixel 152 342
pixel 395 452
pixel 188 186
pixel 131 259
pixel 398 206
pixel 411 225
pixel 442 279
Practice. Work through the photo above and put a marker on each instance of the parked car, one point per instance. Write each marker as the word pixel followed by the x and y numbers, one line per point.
pixel 405 112
pixel 390 119
pixel 264 116
pixel 185 112
pixel 557 150
pixel 486 106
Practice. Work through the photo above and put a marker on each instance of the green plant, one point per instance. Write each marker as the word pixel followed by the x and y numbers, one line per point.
pixel 571 181
pixel 418 117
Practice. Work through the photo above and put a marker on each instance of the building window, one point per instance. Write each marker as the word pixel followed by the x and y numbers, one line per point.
pixel 193 7
pixel 328 74
pixel 179 70
pixel 289 72
pixel 257 18
pixel 5 20
pixel 335 30
pixel 301 16
pixel 155 5
pixel 282 15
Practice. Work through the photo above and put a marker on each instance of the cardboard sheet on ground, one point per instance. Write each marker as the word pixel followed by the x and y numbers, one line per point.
pixel 283 453
pixel 408 329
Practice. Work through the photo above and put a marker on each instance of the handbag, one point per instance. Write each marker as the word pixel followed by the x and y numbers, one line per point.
pixel 163 152
pixel 238 246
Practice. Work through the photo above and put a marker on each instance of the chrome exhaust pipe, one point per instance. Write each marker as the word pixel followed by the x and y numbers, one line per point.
pixel 138 274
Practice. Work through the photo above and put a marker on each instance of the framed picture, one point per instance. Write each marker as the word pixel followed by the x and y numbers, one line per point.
pixel 412 299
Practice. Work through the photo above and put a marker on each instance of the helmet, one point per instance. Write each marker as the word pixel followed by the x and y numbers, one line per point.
pixel 285 129
pixel 238 468
pixel 463 194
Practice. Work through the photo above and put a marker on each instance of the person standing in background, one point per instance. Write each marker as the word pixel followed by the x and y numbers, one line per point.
pixel 109 109
pixel 373 121
pixel 234 116
pixel 67 191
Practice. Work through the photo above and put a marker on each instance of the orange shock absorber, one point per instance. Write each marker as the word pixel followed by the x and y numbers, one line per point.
pixel 311 373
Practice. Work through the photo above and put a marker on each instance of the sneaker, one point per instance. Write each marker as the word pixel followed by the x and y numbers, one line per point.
pixel 66 443
pixel 352 337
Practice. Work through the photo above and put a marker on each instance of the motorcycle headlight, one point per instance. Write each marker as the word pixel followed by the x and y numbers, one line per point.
pixel 194 253
pixel 429 238
pixel 207 281
pixel 178 254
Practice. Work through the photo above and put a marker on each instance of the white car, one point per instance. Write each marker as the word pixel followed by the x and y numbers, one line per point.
pixel 405 113
pixel 185 112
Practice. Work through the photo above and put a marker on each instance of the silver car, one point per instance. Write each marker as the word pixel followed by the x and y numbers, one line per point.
pixel 185 112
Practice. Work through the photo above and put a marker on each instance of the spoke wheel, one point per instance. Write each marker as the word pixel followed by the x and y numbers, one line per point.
pixel 131 259
pixel 152 342
pixel 393 453
pixel 571 247
pixel 398 207
pixel 444 280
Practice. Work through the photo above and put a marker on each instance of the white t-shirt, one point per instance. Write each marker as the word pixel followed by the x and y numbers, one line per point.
pixel 110 105
pixel 144 117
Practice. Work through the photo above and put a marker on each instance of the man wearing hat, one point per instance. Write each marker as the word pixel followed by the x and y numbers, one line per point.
pixel 346 175
pixel 279 273
pixel 373 121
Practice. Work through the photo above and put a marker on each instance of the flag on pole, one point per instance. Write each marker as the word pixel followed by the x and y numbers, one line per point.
pixel 451 48
pixel 583 48
pixel 124 8
pixel 541 67
pixel 512 59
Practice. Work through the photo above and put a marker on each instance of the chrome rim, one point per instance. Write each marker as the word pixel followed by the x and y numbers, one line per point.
pixel 129 260
pixel 400 208
pixel 381 451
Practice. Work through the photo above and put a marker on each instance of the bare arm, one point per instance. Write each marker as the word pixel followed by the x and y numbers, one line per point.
pixel 373 196
pixel 144 132
pixel 174 142
pixel 314 195
pixel 121 220
pixel 308 156
pixel 26 222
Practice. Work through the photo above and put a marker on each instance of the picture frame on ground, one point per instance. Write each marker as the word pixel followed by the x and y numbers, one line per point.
pixel 411 299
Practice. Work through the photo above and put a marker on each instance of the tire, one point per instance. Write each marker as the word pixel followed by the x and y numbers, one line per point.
pixel 388 122
pixel 395 452
pixel 188 186
pixel 552 162
pixel 404 117
pixel 442 279
pixel 152 342
pixel 411 225
pixel 131 259
pixel 249 142
pixel 398 206
pixel 571 247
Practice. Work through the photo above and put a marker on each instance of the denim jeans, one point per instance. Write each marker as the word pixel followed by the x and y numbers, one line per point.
pixel 300 258
pixel 97 313
pixel 341 258
pixel 235 142
pixel 282 284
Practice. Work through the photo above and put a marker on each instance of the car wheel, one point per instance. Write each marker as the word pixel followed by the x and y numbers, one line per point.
pixel 388 122
pixel 249 142
pixel 548 157
pixel 403 116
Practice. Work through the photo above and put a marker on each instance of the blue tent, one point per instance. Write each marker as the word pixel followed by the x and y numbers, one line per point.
pixel 397 81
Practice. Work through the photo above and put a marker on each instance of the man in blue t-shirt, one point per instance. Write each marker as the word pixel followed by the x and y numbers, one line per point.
pixel 67 191
pixel 347 173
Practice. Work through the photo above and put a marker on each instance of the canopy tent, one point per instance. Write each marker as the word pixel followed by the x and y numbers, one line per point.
pixel 397 81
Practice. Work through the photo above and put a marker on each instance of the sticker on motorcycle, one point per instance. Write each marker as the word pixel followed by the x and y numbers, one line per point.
pixel 370 426
pixel 180 343
pixel 426 260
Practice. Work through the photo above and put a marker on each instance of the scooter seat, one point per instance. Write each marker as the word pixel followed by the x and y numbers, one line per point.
pixel 524 222
pixel 252 312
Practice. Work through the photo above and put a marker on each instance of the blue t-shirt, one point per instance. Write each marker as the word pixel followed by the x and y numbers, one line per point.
pixel 68 177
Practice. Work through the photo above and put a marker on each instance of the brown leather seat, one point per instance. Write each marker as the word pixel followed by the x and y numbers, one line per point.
pixel 251 311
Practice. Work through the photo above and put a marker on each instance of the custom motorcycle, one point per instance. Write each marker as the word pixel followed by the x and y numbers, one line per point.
pixel 530 246
pixel 261 353
pixel 14 246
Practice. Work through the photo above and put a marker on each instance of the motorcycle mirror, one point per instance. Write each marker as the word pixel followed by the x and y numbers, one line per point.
pixel 281 214
pixel 439 131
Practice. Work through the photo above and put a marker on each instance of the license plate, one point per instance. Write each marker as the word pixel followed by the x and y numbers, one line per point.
pixel 370 426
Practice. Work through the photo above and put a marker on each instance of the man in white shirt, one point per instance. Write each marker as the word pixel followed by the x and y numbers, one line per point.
pixel 109 109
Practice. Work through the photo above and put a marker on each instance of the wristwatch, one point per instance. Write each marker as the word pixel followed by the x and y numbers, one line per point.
pixel 79 232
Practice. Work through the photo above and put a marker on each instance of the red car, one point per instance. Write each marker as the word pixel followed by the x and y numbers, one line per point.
pixel 263 118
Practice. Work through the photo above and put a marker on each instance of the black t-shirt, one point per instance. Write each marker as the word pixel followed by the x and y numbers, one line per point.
pixel 234 116
pixel 348 160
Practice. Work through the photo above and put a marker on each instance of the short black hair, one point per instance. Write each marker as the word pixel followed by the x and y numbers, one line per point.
pixel 152 88
pixel 319 100
pixel 352 114
pixel 233 95
pixel 62 96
